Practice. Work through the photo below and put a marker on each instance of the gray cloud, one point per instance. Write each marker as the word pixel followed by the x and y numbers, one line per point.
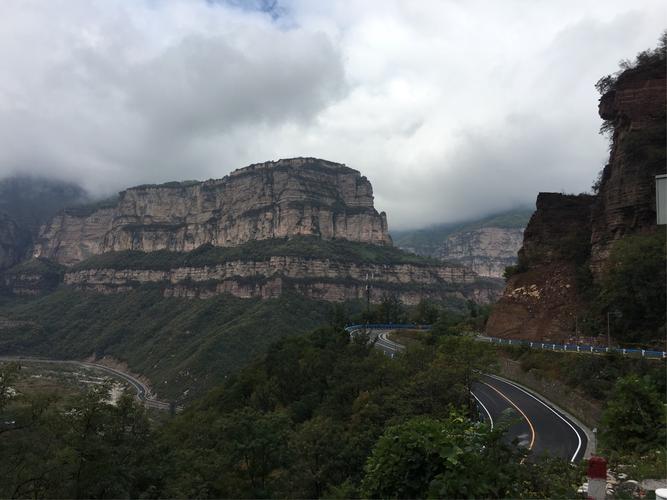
pixel 452 109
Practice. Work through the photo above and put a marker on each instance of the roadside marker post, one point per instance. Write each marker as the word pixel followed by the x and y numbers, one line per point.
pixel 597 478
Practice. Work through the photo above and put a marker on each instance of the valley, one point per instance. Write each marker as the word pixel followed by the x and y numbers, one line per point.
pixel 441 323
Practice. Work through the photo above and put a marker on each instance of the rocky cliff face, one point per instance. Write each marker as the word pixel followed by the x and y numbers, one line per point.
pixel 485 246
pixel 635 110
pixel 487 251
pixel 568 233
pixel 541 301
pixel 301 196
pixel 322 279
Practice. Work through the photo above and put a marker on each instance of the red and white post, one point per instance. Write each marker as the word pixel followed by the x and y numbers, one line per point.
pixel 597 478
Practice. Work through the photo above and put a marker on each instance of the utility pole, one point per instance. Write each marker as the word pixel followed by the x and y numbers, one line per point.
pixel 610 313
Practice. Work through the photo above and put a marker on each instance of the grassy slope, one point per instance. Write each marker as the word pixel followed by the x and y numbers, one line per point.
pixel 191 344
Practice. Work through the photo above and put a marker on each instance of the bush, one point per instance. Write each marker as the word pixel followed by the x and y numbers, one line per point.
pixel 634 419
pixel 634 285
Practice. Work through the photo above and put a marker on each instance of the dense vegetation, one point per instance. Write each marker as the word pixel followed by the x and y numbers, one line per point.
pixel 324 415
pixel 633 287
pixel 181 345
pixel 320 416
pixel 631 293
pixel 309 247
pixel 37 266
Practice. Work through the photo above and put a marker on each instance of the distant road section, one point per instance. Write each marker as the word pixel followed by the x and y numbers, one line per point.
pixel 143 392
pixel 538 425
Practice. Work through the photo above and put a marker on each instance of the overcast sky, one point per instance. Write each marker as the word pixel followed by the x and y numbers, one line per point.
pixel 451 108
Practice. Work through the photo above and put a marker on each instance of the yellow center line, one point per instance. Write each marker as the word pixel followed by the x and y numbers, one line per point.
pixel 530 424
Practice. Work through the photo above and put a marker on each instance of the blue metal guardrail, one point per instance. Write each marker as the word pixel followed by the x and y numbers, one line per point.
pixel 645 353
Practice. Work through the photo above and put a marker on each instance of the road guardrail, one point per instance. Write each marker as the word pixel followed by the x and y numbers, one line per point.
pixel 548 346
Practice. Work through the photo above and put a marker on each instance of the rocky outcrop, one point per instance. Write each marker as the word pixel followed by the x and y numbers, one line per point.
pixel 541 301
pixel 321 279
pixel 485 246
pixel 635 110
pixel 301 196
pixel 487 251
pixel 567 234
pixel 559 230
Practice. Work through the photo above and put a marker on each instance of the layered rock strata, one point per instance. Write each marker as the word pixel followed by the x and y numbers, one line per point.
pixel 625 205
pixel 487 251
pixel 322 279
pixel 301 196
pixel 568 233
pixel 542 301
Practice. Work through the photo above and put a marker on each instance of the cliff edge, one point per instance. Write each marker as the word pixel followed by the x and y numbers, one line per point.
pixel 284 198
pixel 565 257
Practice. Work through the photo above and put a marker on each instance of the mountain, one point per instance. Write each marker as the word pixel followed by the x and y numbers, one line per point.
pixel 286 198
pixel 25 204
pixel 186 282
pixel 301 224
pixel 594 265
pixel 485 246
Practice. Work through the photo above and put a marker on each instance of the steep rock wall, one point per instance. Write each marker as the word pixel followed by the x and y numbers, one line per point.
pixel 542 302
pixel 487 251
pixel 569 232
pixel 316 278
pixel 301 196
pixel 626 200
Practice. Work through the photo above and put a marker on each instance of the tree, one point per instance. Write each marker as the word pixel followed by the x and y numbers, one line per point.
pixel 255 444
pixel 452 458
pixel 426 312
pixel 634 284
pixel 317 447
pixel 467 359
pixel 634 418
pixel 391 309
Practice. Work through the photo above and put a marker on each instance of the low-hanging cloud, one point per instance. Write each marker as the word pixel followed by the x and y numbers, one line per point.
pixel 452 109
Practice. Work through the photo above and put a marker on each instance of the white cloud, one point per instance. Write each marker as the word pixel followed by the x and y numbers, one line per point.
pixel 452 109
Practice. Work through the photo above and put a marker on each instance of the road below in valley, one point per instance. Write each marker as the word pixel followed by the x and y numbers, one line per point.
pixel 143 392
pixel 537 424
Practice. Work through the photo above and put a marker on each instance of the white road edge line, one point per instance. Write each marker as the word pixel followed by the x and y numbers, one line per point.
pixel 547 406
pixel 485 408
pixel 390 343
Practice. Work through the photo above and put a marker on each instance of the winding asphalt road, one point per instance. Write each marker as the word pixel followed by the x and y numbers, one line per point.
pixel 143 392
pixel 538 425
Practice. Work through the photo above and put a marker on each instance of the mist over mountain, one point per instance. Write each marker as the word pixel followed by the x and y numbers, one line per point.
pixel 31 201
pixel 446 114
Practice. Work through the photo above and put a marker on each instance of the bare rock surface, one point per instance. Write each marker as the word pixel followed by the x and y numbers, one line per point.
pixel 487 251
pixel 300 196
pixel 626 201
pixel 541 302
pixel 322 279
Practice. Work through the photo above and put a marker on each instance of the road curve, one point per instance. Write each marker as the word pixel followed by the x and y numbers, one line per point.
pixel 143 392
pixel 537 424
pixel 540 427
